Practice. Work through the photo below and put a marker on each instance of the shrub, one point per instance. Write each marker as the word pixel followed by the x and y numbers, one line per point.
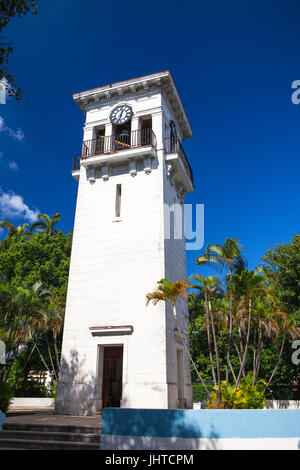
pixel 6 395
pixel 30 389
pixel 246 396
pixel 53 389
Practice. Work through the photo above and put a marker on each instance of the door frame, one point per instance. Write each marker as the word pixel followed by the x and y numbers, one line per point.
pixel 107 342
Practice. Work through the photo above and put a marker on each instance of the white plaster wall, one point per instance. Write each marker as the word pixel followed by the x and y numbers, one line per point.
pixel 114 264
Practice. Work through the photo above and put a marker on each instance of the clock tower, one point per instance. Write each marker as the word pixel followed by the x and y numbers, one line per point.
pixel 132 171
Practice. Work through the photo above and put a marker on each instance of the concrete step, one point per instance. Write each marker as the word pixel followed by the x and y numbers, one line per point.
pixel 50 436
pixel 25 436
pixel 36 444
pixel 59 428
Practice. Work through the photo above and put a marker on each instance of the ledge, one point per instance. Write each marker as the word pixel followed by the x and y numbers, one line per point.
pixel 181 175
pixel 111 330
pixel 118 157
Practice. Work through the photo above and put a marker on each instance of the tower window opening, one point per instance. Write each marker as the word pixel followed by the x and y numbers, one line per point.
pixel 146 130
pixel 118 201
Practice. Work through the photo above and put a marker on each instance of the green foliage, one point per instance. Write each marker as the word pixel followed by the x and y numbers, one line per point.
pixel 34 271
pixel 31 389
pixel 39 258
pixel 199 393
pixel 6 394
pixel 246 321
pixel 53 389
pixel 246 396
pixel 282 266
pixel 8 10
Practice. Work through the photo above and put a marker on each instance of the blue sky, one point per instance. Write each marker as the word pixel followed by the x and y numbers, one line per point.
pixel 233 63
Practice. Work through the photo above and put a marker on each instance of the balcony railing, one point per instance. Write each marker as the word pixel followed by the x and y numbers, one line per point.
pixel 120 141
pixel 114 143
pixel 173 145
pixel 76 163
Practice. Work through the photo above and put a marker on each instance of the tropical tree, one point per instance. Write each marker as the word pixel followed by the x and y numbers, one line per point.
pixel 46 223
pixel 18 233
pixel 170 293
pixel 53 319
pixel 282 267
pixel 245 285
pixel 39 258
pixel 229 256
pixel 19 306
pixel 209 286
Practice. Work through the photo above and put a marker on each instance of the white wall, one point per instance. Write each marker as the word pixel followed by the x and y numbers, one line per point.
pixel 114 264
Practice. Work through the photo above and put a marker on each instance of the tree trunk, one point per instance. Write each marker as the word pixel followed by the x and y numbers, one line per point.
pixel 56 353
pixel 258 358
pixel 230 325
pixel 51 360
pixel 188 352
pixel 276 365
pixel 246 348
pixel 215 345
pixel 208 340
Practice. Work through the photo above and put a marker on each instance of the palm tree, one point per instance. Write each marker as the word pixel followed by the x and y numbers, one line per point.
pixel 229 256
pixel 289 326
pixel 169 293
pixel 245 285
pixel 208 286
pixel 19 232
pixel 15 302
pixel 53 316
pixel 46 223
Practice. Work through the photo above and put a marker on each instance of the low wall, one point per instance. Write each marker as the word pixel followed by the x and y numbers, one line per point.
pixel 283 405
pixel 135 429
pixel 2 419
pixel 270 405
pixel 31 402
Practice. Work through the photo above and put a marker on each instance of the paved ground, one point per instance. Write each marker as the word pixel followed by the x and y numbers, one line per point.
pixel 47 416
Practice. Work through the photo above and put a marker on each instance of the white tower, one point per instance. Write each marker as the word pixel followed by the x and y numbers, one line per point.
pixel 132 168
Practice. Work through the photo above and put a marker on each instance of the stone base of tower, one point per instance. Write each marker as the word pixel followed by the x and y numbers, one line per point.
pixel 150 396
pixel 77 400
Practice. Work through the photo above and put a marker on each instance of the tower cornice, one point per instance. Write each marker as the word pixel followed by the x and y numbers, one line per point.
pixel 160 82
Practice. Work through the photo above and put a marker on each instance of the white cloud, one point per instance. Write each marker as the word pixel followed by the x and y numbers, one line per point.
pixel 18 134
pixel 13 166
pixel 12 206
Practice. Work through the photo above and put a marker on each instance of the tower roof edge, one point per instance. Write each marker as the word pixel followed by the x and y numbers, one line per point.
pixel 163 80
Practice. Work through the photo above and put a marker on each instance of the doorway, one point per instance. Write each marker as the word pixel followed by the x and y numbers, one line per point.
pixel 112 376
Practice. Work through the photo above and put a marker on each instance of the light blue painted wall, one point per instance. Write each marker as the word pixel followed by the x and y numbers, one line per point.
pixel 2 419
pixel 201 423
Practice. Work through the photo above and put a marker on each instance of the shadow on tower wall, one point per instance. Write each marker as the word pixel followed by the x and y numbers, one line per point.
pixel 75 390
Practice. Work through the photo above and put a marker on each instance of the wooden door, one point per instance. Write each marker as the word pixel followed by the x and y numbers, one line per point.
pixel 112 376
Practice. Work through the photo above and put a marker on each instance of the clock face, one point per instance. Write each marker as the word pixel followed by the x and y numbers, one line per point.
pixel 121 114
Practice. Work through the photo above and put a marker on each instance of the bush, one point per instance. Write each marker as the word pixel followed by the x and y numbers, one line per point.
pixel 199 393
pixel 246 396
pixel 53 388
pixel 30 389
pixel 6 394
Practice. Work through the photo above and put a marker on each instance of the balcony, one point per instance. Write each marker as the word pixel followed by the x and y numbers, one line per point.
pixel 97 150
pixel 177 157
